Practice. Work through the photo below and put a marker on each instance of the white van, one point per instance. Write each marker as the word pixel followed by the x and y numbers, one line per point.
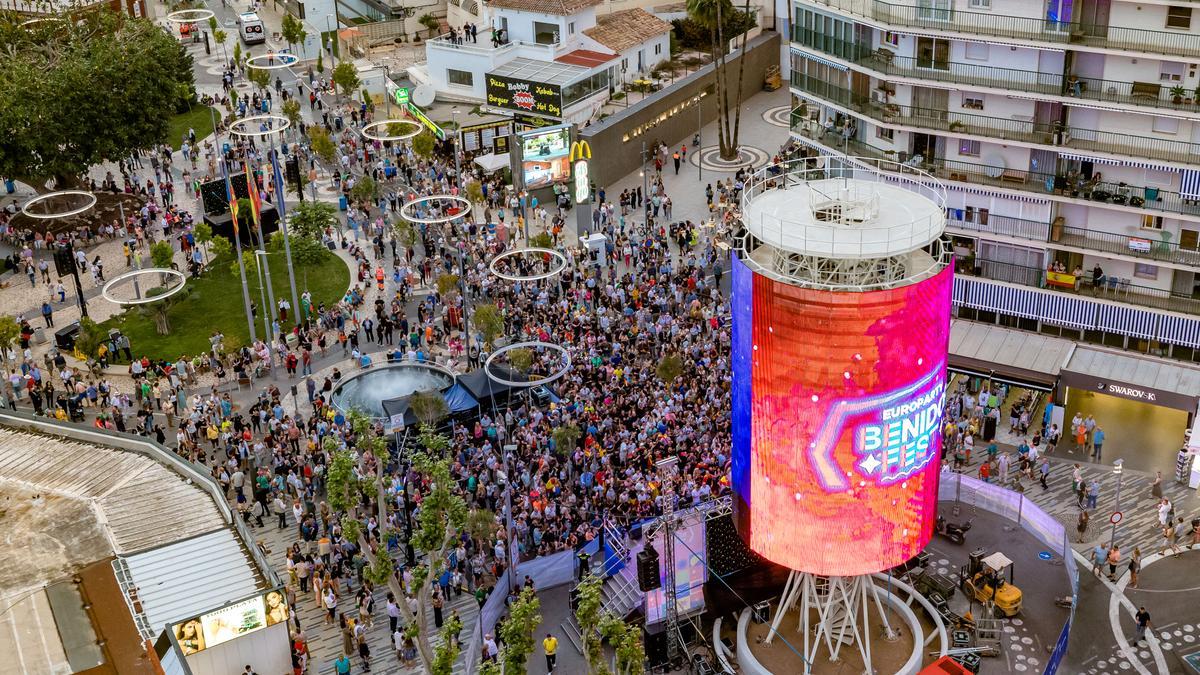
pixel 251 28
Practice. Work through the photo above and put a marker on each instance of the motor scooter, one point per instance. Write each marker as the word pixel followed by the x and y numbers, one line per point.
pixel 955 532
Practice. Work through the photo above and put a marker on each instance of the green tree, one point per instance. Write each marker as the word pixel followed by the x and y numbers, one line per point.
pixel 221 248
pixel 474 192
pixel 566 438
pixel 521 360
pixel 293 31
pixel 405 233
pixel 368 99
pixel 713 16
pixel 517 631
pixel 626 639
pixel 429 407
pixel 204 236
pixel 322 144
pixel 423 144
pixel 429 21
pixel 345 76
pixel 320 62
pixel 669 368
pixel 309 252
pixel 237 53
pixel 489 321
pixel 308 220
pixel 162 254
pixel 365 190
pixel 249 261
pixel 10 330
pixel 447 285
pixel 588 616
pixel 261 77
pixel 291 110
pixel 47 133
pixel 89 339
pixel 447 650
pixel 542 240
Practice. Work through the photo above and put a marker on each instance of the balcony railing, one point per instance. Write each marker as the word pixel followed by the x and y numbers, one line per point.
pixel 889 64
pixel 1020 228
pixel 1113 288
pixel 1027 28
pixel 1001 128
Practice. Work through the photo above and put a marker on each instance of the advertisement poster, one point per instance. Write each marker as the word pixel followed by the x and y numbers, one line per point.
pixel 545 156
pixel 231 622
pixel 522 96
pixel 837 413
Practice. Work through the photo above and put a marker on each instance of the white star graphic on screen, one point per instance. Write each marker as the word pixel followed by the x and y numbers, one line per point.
pixel 869 465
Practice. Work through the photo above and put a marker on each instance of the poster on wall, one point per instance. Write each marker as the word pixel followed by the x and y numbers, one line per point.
pixel 231 622
pixel 545 156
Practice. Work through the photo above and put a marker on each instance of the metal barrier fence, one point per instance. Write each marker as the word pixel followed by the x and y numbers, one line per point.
pixel 1015 507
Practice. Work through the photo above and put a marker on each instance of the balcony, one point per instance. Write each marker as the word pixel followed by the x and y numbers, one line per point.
pixel 1000 128
pixel 885 64
pixel 1111 288
pixel 1024 28
pixel 1147 245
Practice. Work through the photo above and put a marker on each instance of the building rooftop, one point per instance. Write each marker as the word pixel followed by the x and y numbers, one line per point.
pixel 560 7
pixel 624 29
pixel 548 72
pixel 586 58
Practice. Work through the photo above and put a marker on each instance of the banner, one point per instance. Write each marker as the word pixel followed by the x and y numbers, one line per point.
pixel 522 96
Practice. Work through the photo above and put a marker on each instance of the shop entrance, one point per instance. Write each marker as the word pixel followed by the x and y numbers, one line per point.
pixel 1145 435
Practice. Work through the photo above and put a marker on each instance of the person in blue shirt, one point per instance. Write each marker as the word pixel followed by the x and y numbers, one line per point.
pixel 1097 442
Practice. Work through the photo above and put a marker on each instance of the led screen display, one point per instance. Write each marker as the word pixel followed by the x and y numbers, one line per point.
pixel 691 571
pixel 231 621
pixel 544 156
pixel 837 409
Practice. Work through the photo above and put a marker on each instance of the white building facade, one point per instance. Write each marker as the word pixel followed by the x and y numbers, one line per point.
pixel 1067 133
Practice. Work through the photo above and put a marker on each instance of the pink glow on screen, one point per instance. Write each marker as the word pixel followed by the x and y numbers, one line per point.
pixel 845 423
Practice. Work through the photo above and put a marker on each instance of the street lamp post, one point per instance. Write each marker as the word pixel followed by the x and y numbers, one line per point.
pixel 645 181
pixel 508 525
pixel 1118 470
pixel 457 148
pixel 387 100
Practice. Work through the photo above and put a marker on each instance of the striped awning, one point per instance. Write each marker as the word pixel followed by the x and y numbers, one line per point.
pixel 959 294
pixel 1005 299
pixel 1069 311
pixel 1179 330
pixel 1016 196
pixel 813 57
pixel 1190 187
pixel 1116 162
pixel 1129 321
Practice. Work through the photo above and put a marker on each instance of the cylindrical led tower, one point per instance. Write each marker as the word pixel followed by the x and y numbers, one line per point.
pixel 841 322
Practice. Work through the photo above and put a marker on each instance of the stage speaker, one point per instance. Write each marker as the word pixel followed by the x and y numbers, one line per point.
pixel 64 261
pixel 656 649
pixel 635 532
pixel 647 569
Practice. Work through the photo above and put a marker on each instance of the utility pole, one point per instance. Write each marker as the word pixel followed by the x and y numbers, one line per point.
pixel 1118 470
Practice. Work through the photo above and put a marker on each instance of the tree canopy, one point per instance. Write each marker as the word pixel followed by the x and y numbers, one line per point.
pixel 57 115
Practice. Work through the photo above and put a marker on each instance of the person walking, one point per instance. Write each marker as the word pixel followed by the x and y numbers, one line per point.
pixel 1099 555
pixel 1097 442
pixel 677 161
pixel 1093 494
pixel 550 646
pixel 1082 525
pixel 1044 473
pixel 1156 490
pixel 1142 618
pixel 48 314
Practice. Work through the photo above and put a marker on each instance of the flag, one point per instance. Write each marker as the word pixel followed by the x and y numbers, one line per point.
pixel 252 187
pixel 231 197
pixel 279 184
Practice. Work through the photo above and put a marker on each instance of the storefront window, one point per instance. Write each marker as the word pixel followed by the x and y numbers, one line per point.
pixel 584 88
pixel 545 33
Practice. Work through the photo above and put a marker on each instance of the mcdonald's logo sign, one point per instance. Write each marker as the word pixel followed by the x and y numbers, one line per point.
pixel 580 150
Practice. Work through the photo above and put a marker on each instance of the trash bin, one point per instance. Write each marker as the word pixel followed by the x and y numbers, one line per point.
pixel 342 204
pixel 39 336
pixel 65 337
pixel 10 186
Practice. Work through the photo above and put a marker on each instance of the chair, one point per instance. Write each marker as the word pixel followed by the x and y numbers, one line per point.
pixel 1112 282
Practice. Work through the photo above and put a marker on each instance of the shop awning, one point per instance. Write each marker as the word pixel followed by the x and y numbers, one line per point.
pixel 1006 355
pixel 1158 382
pixel 492 163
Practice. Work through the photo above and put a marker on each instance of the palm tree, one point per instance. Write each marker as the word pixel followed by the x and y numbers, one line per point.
pixel 712 14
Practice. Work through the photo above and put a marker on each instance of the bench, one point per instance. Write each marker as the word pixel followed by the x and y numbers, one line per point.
pixel 1013 176
pixel 1149 90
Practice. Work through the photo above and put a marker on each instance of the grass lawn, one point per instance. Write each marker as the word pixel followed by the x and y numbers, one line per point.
pixel 215 303
pixel 197 118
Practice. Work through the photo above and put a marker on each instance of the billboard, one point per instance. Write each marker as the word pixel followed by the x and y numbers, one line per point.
pixel 523 96
pixel 231 621
pixel 545 156
pixel 837 411
pixel 691 572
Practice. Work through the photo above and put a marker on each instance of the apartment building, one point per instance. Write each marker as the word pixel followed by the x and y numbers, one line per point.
pixel 1067 133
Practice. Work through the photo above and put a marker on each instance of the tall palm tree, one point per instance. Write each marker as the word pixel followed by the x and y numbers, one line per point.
pixel 712 14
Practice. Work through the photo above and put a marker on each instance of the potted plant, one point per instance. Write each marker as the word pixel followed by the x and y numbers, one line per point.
pixel 1177 94
pixel 956 125
pixel 1196 95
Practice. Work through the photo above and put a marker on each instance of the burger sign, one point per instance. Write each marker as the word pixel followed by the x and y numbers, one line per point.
pixel 537 98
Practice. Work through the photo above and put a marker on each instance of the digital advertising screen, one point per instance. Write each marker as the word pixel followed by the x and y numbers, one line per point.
pixel 837 409
pixel 545 156
pixel 691 572
pixel 231 621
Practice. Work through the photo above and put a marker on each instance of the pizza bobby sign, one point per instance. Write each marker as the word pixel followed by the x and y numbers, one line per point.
pixel 538 98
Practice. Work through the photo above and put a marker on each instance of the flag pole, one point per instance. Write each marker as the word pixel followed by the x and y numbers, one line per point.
pixel 287 246
pixel 237 237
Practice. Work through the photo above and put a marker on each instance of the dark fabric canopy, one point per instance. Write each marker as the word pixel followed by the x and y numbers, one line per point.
pixel 483 387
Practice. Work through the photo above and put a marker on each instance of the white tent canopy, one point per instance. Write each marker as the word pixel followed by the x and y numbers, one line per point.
pixel 492 163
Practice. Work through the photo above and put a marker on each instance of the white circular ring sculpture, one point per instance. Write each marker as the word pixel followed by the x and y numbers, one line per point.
pixel 566 357
pixel 88 197
pixel 390 137
pixel 259 118
pixel 285 58
pixel 406 210
pixel 190 15
pixel 562 264
pixel 105 291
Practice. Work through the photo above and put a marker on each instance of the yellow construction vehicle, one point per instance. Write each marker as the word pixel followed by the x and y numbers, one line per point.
pixel 983 580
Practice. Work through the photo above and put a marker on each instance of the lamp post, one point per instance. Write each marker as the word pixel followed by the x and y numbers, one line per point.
pixel 457 148
pixel 508 526
pixel 1118 470
pixel 387 100
pixel 645 181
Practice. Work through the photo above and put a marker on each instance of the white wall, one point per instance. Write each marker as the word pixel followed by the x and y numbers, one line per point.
pixel 268 651
pixel 476 59
pixel 520 24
